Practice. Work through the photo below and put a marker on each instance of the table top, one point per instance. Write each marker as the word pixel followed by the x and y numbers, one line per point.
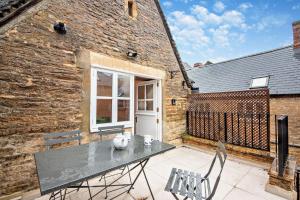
pixel 59 168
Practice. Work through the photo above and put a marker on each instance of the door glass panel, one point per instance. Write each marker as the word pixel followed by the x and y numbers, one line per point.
pixel 141 105
pixel 149 91
pixel 149 105
pixel 123 86
pixel 123 110
pixel 104 111
pixel 104 84
pixel 141 92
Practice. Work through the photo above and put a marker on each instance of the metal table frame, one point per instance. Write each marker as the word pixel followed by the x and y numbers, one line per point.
pixel 142 164
pixel 136 161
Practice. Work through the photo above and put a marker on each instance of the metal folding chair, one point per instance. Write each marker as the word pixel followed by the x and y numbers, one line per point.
pixel 109 131
pixel 192 185
pixel 53 140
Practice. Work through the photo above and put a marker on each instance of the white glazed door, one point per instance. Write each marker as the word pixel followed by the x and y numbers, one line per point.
pixel 146 117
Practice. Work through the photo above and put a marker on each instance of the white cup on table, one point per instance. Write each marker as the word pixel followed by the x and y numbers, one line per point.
pixel 148 139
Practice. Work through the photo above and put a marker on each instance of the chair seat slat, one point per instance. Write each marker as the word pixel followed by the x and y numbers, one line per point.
pixel 170 181
pixel 60 141
pixel 62 134
pixel 191 185
pixel 177 181
pixel 110 130
pixel 198 192
pixel 183 189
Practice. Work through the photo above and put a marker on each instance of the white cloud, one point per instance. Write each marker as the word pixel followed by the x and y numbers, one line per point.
pixel 219 7
pixel 179 18
pixel 201 29
pixel 168 4
pixel 270 21
pixel 221 35
pixel 232 17
pixel 205 16
pixel 187 30
pixel 296 7
pixel 186 1
pixel 245 6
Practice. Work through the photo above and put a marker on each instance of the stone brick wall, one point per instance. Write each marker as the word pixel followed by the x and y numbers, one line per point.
pixel 41 83
pixel 289 105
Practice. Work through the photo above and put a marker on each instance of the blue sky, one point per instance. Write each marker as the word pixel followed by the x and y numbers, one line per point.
pixel 221 30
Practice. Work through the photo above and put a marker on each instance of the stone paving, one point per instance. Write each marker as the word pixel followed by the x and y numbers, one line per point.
pixel 240 179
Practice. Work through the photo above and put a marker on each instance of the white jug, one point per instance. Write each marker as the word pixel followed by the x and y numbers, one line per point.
pixel 120 142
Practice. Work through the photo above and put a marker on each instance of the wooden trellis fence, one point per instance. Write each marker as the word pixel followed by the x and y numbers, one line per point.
pixel 239 118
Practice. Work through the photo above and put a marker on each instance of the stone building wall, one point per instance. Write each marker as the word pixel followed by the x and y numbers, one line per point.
pixel 42 83
pixel 288 105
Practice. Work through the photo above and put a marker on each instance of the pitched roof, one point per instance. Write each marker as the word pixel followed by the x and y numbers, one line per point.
pixel 282 65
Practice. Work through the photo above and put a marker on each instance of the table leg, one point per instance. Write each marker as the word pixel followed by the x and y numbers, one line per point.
pixel 148 183
pixel 141 163
pixel 142 170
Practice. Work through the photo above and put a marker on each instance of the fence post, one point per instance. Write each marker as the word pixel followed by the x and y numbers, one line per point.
pixel 225 127
pixel 187 122
pixel 268 131
pixel 283 143
pixel 297 183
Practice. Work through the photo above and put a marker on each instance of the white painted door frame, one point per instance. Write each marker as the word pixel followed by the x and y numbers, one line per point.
pixel 157 106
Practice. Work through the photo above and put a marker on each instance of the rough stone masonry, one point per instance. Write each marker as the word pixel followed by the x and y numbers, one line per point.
pixel 41 85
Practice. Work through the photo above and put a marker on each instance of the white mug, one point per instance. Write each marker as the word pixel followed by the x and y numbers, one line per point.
pixel 148 139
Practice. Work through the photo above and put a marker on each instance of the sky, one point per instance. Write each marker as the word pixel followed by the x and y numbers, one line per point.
pixel 221 30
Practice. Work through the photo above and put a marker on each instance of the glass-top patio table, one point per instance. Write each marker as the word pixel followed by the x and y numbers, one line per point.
pixel 69 167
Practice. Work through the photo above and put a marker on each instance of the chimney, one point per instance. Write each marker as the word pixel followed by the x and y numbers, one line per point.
pixel 198 65
pixel 296 33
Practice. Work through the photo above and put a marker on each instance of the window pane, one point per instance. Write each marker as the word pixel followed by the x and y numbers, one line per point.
pixel 104 84
pixel 123 86
pixel 141 92
pixel 104 107
pixel 149 105
pixel 149 91
pixel 141 105
pixel 123 110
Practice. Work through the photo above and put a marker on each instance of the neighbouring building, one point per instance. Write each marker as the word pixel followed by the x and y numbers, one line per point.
pixel 277 70
pixel 69 64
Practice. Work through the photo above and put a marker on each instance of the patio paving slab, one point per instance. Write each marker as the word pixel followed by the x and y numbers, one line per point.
pixel 239 179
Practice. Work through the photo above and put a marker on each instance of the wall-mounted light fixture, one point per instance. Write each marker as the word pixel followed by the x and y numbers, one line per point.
pixel 132 54
pixel 183 84
pixel 60 28
pixel 173 101
pixel 173 74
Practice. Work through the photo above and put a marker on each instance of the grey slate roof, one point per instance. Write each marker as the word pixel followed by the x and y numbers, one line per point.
pixel 282 65
pixel 187 67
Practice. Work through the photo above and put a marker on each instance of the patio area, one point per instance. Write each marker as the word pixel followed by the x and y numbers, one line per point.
pixel 240 179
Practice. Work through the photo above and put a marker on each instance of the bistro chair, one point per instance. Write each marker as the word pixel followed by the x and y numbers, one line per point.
pixel 53 140
pixel 192 185
pixel 109 130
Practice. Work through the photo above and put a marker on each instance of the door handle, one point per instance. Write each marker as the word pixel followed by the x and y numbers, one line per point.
pixel 135 119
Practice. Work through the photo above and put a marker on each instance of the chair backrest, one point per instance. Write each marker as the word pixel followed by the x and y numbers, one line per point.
pixel 110 130
pixel 52 139
pixel 220 155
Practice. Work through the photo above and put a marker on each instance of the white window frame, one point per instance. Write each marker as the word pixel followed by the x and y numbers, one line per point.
pixel 260 86
pixel 93 108
pixel 145 98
